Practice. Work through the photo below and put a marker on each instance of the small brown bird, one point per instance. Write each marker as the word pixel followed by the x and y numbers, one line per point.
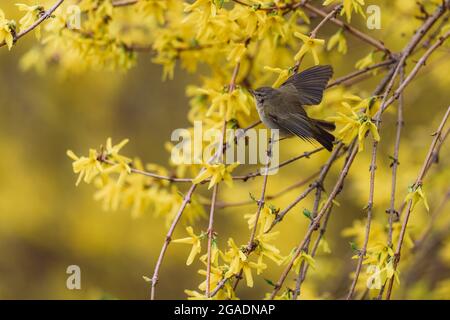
pixel 282 108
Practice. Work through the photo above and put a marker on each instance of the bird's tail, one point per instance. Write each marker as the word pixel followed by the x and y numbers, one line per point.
pixel 322 135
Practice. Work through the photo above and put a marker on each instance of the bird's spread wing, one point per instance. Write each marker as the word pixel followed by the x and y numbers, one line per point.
pixel 305 128
pixel 309 84
pixel 296 124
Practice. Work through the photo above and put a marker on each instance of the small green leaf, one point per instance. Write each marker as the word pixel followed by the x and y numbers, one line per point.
pixel 307 214
pixel 269 282
pixel 354 247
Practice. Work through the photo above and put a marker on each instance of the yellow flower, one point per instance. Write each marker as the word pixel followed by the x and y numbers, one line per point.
pixel 364 62
pixel 366 125
pixel 237 52
pixel 309 45
pixel 155 8
pixel 216 276
pixel 195 241
pixel 348 7
pixel 265 249
pixel 283 75
pixel 356 124
pixel 113 153
pixel 266 217
pixel 339 40
pixel 217 172
pixel 239 261
pixel 7 28
pixel 235 256
pixel 380 261
pixel 303 257
pixel 87 167
pixel 228 104
pixel 195 295
pixel 32 14
pixel 415 195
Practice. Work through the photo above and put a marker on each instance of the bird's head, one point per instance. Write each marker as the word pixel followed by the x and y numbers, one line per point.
pixel 261 94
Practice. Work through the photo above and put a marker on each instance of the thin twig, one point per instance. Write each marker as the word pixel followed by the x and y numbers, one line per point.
pixel 186 200
pixel 44 16
pixel 270 196
pixel 316 184
pixel 304 4
pixel 329 16
pixel 314 226
pixel 304 265
pixel 393 214
pixel 123 3
pixel 369 207
pixel 261 202
pixel 355 74
pixel 210 239
pixel 416 68
pixel 396 160
pixel 211 211
pixel 336 190
pixel 361 35
pixel 418 183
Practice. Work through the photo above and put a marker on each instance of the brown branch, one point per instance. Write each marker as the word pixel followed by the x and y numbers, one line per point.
pixel 186 200
pixel 435 156
pixel 418 183
pixel 369 207
pixel 332 14
pixel 416 68
pixel 304 265
pixel 355 74
pixel 123 3
pixel 306 154
pixel 336 190
pixel 213 204
pixel 405 53
pixel 393 214
pixel 251 242
pixel 302 275
pixel 319 12
pixel 271 196
pixel 44 16
pixel 317 184
pixel 210 239
pixel 396 161
pixel 361 35
pixel 314 226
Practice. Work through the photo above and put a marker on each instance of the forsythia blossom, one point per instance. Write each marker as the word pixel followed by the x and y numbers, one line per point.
pixel 355 123
pixel 30 17
pixel 283 75
pixel 87 167
pixel 217 172
pixel 309 45
pixel 415 195
pixel 338 40
pixel 7 27
pixel 348 7
pixel 193 240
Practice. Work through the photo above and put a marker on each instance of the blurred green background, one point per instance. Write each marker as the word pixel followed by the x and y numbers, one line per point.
pixel 47 224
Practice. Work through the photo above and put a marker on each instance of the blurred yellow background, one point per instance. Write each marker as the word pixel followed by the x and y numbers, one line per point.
pixel 47 224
